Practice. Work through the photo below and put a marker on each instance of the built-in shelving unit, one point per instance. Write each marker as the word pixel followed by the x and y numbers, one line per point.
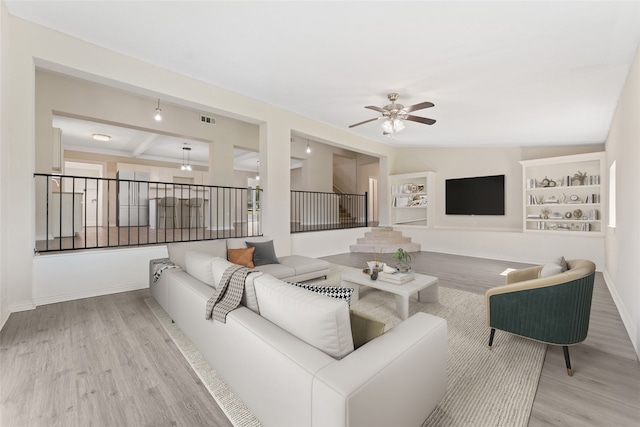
pixel 564 194
pixel 411 198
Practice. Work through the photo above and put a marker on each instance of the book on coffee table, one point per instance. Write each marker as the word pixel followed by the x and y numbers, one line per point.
pixel 397 277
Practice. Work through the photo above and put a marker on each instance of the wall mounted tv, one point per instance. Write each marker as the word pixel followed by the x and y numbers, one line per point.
pixel 482 195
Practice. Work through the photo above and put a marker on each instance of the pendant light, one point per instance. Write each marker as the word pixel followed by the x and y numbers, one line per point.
pixel 186 158
pixel 308 147
pixel 158 116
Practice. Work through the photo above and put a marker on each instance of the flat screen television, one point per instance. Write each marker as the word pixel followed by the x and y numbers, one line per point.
pixel 482 195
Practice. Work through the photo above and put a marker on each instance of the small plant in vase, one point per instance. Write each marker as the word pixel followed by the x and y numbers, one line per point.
pixel 404 258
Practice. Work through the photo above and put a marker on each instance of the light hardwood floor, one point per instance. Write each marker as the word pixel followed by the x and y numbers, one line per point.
pixel 106 361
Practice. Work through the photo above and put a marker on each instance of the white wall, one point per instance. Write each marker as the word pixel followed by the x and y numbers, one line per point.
pixel 84 274
pixel 622 269
pixel 4 160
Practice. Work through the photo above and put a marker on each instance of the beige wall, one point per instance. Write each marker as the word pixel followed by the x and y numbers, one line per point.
pixel 467 162
pixel 622 243
pixel 26 45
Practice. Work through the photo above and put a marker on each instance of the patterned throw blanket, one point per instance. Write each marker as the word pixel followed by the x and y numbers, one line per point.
pixel 228 294
pixel 160 265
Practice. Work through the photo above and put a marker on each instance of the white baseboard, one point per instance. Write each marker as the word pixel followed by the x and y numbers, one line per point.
pixel 89 294
pixel 24 306
pixel 627 320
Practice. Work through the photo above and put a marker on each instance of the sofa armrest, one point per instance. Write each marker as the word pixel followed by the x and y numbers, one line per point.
pixel 523 274
pixel 396 379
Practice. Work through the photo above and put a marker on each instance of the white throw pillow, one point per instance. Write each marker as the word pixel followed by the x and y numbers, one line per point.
pixel 557 266
pixel 198 265
pixel 318 320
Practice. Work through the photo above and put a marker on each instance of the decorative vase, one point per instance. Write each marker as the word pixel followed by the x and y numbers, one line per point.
pixel 403 266
pixel 374 274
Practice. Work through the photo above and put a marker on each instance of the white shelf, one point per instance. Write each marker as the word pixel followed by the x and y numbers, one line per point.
pixel 560 171
pixel 411 198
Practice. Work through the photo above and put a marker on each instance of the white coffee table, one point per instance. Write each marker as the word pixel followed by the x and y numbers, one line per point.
pixel 425 286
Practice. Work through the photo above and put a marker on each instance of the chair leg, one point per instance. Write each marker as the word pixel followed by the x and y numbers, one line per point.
pixel 567 361
pixel 493 332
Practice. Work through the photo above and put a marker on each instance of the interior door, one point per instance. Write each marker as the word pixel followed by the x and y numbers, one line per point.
pixel 92 189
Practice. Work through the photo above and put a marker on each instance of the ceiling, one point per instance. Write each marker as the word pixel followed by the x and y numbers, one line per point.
pixel 510 73
pixel 128 142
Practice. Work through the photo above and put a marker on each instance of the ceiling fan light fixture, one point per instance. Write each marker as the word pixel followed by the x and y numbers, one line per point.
pixel 101 137
pixel 158 116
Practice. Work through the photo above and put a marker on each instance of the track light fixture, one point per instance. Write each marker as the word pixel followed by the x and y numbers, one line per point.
pixel 158 116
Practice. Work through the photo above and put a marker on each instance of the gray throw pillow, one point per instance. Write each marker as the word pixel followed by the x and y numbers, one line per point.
pixel 557 266
pixel 264 253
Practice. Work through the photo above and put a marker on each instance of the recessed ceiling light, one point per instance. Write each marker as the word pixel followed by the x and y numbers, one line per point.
pixel 101 137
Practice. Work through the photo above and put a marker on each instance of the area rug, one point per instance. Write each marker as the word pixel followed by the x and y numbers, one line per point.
pixel 485 388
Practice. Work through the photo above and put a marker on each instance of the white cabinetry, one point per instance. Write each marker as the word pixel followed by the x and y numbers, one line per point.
pixel 411 198
pixel 564 194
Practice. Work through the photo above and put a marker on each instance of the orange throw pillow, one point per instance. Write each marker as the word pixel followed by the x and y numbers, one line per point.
pixel 241 256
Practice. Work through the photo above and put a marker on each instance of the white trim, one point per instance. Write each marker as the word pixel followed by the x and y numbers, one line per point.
pixel 627 320
pixel 90 294
pixel 24 306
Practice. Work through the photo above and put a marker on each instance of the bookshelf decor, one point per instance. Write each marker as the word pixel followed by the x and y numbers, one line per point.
pixel 564 194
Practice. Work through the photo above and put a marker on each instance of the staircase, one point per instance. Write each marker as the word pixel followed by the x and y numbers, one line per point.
pixel 384 240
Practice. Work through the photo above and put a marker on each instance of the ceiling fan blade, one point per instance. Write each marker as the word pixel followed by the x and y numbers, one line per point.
pixel 366 121
pixel 374 108
pixel 419 106
pixel 420 120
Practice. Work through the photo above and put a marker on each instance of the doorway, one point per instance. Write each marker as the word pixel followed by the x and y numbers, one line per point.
pixel 373 200
pixel 91 189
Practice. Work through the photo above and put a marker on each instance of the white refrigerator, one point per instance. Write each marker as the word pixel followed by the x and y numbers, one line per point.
pixel 133 199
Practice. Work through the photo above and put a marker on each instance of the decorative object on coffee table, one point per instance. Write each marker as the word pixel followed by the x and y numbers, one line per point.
pixel 404 258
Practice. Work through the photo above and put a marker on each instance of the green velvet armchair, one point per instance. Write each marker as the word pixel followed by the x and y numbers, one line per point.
pixel 553 310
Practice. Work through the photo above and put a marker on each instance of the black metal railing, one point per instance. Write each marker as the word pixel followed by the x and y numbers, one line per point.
pixel 317 211
pixel 78 212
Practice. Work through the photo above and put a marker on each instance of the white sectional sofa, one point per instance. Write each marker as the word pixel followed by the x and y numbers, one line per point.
pixel 288 352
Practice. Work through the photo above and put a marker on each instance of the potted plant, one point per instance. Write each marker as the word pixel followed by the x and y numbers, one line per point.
pixel 404 258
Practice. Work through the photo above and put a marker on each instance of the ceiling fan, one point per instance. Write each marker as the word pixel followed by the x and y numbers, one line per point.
pixel 393 114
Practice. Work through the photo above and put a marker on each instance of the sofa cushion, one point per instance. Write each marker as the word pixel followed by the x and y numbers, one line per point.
pixel 557 266
pixel 177 250
pixel 279 271
pixel 303 264
pixel 249 300
pixel 199 266
pixel 264 253
pixel 364 328
pixel 241 256
pixel 330 291
pixel 318 320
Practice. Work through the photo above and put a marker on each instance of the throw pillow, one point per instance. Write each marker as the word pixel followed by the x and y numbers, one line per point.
pixel 241 256
pixel 264 254
pixel 364 328
pixel 330 291
pixel 556 266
